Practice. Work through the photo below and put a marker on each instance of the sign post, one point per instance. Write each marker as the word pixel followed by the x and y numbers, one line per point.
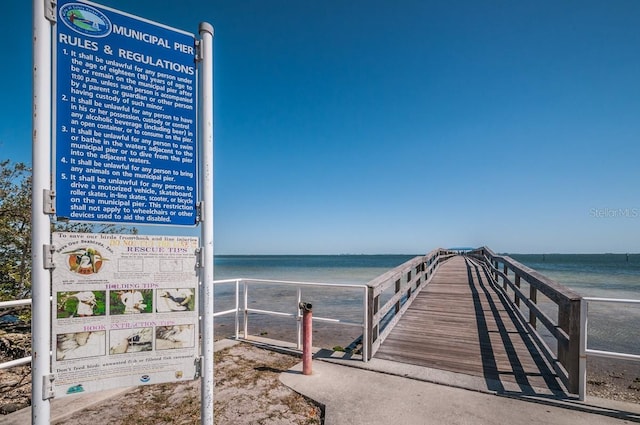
pixel 132 138
pixel 40 222
pixel 206 120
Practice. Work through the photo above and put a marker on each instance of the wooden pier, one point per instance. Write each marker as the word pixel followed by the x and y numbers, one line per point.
pixel 466 314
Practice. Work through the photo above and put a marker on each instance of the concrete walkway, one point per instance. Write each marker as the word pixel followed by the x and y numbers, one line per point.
pixel 355 396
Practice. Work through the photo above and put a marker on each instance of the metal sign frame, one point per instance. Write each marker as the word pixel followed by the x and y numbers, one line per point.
pixel 44 207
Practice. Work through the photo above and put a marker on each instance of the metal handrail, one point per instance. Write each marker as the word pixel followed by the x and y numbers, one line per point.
pixel 584 322
pixel 15 303
pixel 242 308
pixel 23 360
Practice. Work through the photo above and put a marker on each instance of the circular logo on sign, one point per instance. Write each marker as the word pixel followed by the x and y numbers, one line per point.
pixel 85 260
pixel 85 20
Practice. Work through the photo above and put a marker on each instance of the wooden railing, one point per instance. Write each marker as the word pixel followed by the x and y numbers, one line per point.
pixel 566 330
pixel 401 285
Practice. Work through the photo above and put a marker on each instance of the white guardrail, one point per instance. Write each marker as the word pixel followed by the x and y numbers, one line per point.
pixel 584 351
pixel 24 360
pixel 242 310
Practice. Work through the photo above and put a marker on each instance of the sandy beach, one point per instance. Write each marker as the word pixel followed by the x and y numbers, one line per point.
pixel 247 391
pixel 613 379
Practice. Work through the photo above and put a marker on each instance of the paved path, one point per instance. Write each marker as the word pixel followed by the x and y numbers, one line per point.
pixel 355 396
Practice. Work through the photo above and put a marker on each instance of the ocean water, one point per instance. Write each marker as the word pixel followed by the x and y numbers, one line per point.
pixel 340 304
pixel 591 275
pixel 354 269
pixel 611 326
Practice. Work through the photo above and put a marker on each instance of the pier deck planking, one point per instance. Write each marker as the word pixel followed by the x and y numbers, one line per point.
pixel 460 323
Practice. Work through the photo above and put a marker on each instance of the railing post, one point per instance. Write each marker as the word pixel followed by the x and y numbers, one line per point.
pixel 366 345
pixel 533 297
pixel 505 270
pixel 409 276
pixel 584 319
pixel 245 317
pixel 237 315
pixel 569 354
pixel 397 289
pixel 371 332
pixel 517 282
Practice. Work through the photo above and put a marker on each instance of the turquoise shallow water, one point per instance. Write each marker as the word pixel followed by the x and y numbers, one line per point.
pixel 315 268
pixel 612 327
pixel 342 304
pixel 592 275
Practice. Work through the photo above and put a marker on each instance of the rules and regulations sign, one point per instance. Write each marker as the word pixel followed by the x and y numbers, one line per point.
pixel 125 311
pixel 125 118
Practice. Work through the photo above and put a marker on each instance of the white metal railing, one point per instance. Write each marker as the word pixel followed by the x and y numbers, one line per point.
pixel 584 322
pixel 24 360
pixel 242 307
pixel 242 310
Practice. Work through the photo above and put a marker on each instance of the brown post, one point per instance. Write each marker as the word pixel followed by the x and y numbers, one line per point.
pixel 307 337
pixel 533 296
pixel 372 332
pixel 517 281
pixel 505 270
pixel 397 306
pixel 569 354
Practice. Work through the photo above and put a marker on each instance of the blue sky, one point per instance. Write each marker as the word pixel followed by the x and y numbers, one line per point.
pixel 397 127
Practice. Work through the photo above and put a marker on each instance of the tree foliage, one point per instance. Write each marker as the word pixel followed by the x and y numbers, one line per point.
pixel 15 230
